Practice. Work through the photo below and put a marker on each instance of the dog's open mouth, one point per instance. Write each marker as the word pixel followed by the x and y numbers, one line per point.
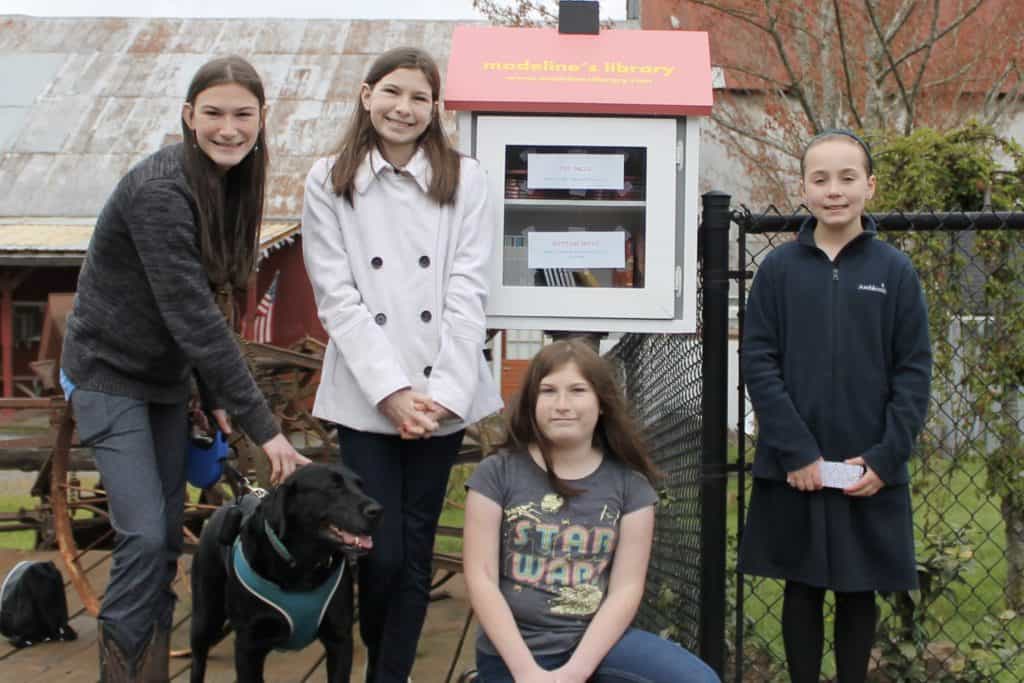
pixel 357 543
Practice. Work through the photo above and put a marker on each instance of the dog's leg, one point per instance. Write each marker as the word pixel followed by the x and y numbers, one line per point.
pixel 339 659
pixel 209 610
pixel 336 633
pixel 249 663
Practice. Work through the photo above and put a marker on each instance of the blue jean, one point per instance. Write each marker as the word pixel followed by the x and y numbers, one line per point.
pixel 408 478
pixel 139 449
pixel 638 657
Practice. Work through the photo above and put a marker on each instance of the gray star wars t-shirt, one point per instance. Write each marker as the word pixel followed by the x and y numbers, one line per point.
pixel 556 554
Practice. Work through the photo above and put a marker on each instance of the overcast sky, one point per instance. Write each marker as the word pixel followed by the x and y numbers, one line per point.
pixel 343 9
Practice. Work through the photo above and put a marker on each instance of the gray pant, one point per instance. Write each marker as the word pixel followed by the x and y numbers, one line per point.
pixel 140 452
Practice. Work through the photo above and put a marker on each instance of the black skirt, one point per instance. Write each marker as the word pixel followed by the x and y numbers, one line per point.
pixel 830 540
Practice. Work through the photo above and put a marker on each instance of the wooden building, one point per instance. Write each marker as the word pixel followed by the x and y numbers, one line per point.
pixel 39 264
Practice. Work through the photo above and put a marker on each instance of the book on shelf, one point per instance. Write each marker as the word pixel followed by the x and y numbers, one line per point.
pixel 623 277
pixel 558 277
pixel 639 258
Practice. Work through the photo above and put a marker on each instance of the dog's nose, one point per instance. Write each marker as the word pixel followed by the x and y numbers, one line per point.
pixel 371 510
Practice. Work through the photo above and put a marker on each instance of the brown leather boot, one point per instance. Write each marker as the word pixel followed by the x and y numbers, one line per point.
pixel 115 665
pixel 154 664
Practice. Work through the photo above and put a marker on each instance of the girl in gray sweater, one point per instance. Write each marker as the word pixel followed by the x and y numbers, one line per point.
pixel 180 230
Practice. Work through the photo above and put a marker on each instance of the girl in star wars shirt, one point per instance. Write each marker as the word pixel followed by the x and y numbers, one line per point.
pixel 558 536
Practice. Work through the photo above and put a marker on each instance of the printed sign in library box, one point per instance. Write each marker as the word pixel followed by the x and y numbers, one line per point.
pixel 576 250
pixel 575 171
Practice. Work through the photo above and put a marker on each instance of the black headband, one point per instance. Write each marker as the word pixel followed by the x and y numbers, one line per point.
pixel 843 132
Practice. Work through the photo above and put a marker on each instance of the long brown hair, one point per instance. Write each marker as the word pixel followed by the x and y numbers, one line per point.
pixel 230 206
pixel 360 136
pixel 617 433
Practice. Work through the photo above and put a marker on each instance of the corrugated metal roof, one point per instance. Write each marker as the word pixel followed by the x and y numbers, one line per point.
pixel 71 237
pixel 61 237
pixel 118 83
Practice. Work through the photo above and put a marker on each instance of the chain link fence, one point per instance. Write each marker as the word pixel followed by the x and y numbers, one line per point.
pixel 662 378
pixel 966 623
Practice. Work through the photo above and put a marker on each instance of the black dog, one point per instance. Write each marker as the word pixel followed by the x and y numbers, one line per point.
pixel 302 538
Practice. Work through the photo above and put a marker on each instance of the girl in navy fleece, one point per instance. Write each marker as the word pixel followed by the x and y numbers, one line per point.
pixel 837 362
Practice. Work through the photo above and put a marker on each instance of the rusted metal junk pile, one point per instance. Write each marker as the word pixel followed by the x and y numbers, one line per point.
pixel 72 511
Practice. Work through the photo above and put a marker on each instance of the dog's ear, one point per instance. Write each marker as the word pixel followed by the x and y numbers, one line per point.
pixel 349 474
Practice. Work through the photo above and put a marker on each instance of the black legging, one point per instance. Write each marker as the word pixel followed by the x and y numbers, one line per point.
pixel 803 632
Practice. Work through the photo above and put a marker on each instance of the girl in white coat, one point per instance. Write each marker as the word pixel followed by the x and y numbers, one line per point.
pixel 397 234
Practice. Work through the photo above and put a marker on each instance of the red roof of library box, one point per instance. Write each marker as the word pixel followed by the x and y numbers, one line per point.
pixel 498 69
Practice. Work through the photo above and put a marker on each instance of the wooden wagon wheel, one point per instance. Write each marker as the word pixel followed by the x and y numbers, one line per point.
pixel 62 516
pixel 68 499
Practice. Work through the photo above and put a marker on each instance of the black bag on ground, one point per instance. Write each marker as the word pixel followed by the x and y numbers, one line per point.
pixel 33 608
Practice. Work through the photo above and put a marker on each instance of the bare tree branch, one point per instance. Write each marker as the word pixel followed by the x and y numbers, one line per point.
pixel 954 77
pixel 845 60
pixel 911 52
pixel 520 14
pixel 745 16
pixel 798 89
pixel 758 75
pixel 884 46
pixel 884 70
pixel 750 18
pixel 749 134
pixel 900 18
pixel 998 102
pixel 916 88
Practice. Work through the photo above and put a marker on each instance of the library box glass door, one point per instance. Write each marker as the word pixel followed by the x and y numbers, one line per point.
pixel 587 207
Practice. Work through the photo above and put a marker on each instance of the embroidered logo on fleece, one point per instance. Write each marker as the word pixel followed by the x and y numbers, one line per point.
pixel 877 289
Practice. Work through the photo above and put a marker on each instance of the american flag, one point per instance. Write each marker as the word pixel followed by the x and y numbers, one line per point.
pixel 263 321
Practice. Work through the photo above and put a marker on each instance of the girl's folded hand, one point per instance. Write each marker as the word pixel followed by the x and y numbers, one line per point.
pixel 807 478
pixel 868 485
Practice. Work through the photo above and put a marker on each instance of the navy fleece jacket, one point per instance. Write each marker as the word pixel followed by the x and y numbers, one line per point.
pixel 836 356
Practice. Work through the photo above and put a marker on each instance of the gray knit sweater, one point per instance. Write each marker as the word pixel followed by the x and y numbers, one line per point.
pixel 144 316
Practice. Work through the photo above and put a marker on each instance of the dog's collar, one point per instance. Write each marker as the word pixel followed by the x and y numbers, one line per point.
pixel 277 545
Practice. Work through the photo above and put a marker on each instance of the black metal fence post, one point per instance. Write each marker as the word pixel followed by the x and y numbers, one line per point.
pixel 714 240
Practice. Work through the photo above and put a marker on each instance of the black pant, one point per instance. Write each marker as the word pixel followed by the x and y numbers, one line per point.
pixel 409 478
pixel 803 632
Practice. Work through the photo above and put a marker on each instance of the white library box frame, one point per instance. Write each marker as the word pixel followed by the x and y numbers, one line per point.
pixel 579 185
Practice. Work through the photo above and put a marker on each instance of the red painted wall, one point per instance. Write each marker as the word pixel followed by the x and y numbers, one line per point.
pixel 294 309
pixel 36 287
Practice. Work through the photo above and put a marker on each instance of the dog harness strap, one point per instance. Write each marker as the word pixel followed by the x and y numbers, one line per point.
pixel 277 545
pixel 302 610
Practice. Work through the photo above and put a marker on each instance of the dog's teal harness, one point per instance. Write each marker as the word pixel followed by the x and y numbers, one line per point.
pixel 303 610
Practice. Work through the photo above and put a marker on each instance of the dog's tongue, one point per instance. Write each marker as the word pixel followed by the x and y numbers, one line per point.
pixel 364 542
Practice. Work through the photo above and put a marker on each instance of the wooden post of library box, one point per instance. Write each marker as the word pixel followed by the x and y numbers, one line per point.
pixel 590 143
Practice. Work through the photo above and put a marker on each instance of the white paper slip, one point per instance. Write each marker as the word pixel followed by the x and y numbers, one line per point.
pixel 575 171
pixel 574 250
pixel 839 475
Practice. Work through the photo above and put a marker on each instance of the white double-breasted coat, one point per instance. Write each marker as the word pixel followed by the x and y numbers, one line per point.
pixel 401 286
